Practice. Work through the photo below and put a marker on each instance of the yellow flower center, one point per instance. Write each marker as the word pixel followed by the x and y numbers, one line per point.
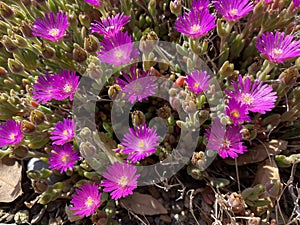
pixel 226 143
pixel 248 99
pixel 65 132
pixel 89 202
pixel 65 158
pixel 195 28
pixel 196 85
pixel 141 144
pixel 12 136
pixel 123 181
pixel 235 114
pixel 119 54
pixel 67 88
pixel 277 51
pixel 54 32
pixel 233 12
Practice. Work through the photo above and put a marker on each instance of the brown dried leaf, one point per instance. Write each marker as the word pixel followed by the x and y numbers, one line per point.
pixel 258 153
pixel 143 204
pixel 10 179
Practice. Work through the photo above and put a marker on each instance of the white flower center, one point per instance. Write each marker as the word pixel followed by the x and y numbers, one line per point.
pixel 123 181
pixel 89 202
pixel 67 88
pixel 12 136
pixel 119 54
pixel 233 12
pixel 226 143
pixel 195 28
pixel 277 51
pixel 54 32
pixel 247 98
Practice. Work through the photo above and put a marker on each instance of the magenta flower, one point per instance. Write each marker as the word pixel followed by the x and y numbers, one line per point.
pixel 139 143
pixel 200 4
pixel 93 2
pixel 10 133
pixel 198 81
pixel 138 86
pixel 237 112
pixel 296 3
pixel 63 132
pixel 233 10
pixel 52 27
pixel 258 97
pixel 111 25
pixel 86 200
pixel 277 47
pixel 63 157
pixel 67 86
pixel 45 89
pixel 120 180
pixel 228 144
pixel 195 24
pixel 117 50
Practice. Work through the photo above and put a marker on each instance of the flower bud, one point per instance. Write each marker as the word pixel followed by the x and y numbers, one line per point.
pixel 138 118
pixel 87 150
pixel 5 10
pixel 37 117
pixel 39 186
pixel 48 52
pixel 113 91
pixel 27 127
pixel 84 20
pixel 79 54
pixel 33 175
pixel 195 172
pixel 19 41
pixel 26 3
pixel 8 44
pixel 3 71
pixel 164 112
pixel 199 160
pixel 148 42
pixel 15 66
pixel 26 30
pixel 289 76
pixel 91 44
pixel 273 188
pixel 20 152
pixel 175 7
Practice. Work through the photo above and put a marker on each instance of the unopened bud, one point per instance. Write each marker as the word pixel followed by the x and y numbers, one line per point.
pixel 48 52
pixel 39 186
pixel 8 44
pixel 91 44
pixel 26 30
pixel 84 20
pixel 27 127
pixel 15 66
pixel 79 54
pixel 5 10
pixel 164 112
pixel 175 7
pixel 37 117
pixel 113 91
pixel 289 76
pixel 3 71
pixel 273 188
pixel 19 41
pixel 138 118
pixel 199 160
pixel 20 152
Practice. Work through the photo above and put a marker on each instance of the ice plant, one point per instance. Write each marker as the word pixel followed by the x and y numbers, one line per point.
pixel 278 46
pixel 117 50
pixel 120 180
pixel 296 3
pixel 233 10
pixel 93 2
pixel 67 84
pixel 200 4
pixel 139 143
pixel 10 133
pixel 63 132
pixel 111 25
pixel 52 27
pixel 237 111
pixel 258 97
pixel 86 200
pixel 228 143
pixel 63 157
pixel 45 88
pixel 138 85
pixel 195 24
pixel 198 81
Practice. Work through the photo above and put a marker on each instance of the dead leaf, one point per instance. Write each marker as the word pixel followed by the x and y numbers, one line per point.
pixel 143 204
pixel 259 153
pixel 10 179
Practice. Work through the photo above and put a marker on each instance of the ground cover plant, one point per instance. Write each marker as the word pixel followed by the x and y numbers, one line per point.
pixel 149 112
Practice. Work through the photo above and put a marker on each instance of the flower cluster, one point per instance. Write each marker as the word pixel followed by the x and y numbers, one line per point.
pixel 55 86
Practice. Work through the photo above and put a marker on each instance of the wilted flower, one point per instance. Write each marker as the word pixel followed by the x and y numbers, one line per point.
pixel 198 81
pixel 117 50
pixel 200 4
pixel 86 200
pixel 137 85
pixel 52 27
pixel 139 143
pixel 237 111
pixel 227 144
pixel 63 132
pixel 121 179
pixel 196 23
pixel 93 2
pixel 10 133
pixel 277 47
pixel 233 10
pixel 111 25
pixel 258 97
pixel 63 157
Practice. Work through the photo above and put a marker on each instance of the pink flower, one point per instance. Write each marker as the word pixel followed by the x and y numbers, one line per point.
pixel 198 81
pixel 237 111
pixel 63 132
pixel 10 133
